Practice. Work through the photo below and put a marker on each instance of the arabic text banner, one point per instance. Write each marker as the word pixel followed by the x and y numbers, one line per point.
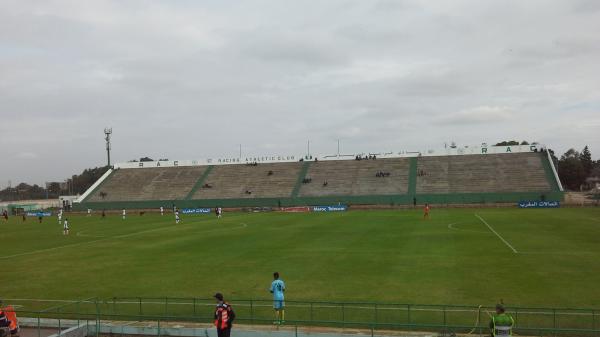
pixel 195 211
pixel 538 204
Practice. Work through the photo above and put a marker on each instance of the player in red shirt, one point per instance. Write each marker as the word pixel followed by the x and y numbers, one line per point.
pixel 426 211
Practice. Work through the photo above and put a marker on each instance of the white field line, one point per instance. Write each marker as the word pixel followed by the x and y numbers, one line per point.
pixel 498 235
pixel 81 233
pixel 50 249
pixel 315 305
pixel 451 226
pixel 243 225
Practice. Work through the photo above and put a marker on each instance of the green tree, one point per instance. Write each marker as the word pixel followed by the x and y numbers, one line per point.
pixel 586 160
pixel 554 158
pixel 87 178
pixel 570 170
pixel 508 143
pixel 524 142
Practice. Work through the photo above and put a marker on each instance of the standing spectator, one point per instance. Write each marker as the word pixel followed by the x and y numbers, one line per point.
pixel 4 322
pixel 501 323
pixel 277 289
pixel 224 316
pixel 13 326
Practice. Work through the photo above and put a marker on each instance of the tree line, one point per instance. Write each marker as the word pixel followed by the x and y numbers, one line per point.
pixel 77 184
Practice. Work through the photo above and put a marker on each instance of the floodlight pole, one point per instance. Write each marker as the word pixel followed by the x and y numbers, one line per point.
pixel 107 133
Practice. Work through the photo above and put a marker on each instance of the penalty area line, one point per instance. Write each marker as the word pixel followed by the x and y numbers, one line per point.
pixel 498 235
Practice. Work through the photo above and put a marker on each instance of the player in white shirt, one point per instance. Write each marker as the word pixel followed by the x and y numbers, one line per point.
pixel 162 210
pixel 89 212
pixel 177 219
pixel 124 214
pixel 66 227
pixel 219 212
pixel 59 216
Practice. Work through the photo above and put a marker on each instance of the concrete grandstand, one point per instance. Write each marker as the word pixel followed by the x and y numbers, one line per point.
pixel 495 174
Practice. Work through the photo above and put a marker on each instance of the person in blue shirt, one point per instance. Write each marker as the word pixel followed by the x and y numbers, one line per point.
pixel 277 289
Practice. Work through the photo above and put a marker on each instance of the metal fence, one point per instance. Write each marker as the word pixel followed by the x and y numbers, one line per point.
pixel 357 315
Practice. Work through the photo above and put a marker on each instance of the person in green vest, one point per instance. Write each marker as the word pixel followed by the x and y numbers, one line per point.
pixel 501 323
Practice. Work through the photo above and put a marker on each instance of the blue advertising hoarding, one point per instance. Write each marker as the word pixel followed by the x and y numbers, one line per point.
pixel 538 204
pixel 195 211
pixel 334 208
pixel 39 213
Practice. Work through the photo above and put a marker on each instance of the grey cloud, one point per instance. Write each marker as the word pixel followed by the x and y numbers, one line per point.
pixel 478 115
pixel 188 79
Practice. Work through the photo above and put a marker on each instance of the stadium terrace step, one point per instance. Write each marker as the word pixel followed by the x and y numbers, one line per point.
pixel 519 172
pixel 148 184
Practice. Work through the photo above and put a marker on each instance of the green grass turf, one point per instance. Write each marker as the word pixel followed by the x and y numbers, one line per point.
pixel 387 256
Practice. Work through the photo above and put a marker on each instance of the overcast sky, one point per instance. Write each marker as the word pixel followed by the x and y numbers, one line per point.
pixel 194 79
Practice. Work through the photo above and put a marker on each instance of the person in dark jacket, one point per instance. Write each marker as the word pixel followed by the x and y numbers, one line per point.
pixel 224 316
pixel 4 322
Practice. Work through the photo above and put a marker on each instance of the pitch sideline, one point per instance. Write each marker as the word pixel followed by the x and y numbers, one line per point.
pixel 498 235
pixel 44 250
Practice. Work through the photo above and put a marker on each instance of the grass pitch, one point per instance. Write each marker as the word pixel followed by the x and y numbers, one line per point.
pixel 527 257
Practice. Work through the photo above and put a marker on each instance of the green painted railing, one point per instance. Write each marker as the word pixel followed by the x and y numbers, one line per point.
pixel 412 177
pixel 301 176
pixel 200 182
pixel 365 315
